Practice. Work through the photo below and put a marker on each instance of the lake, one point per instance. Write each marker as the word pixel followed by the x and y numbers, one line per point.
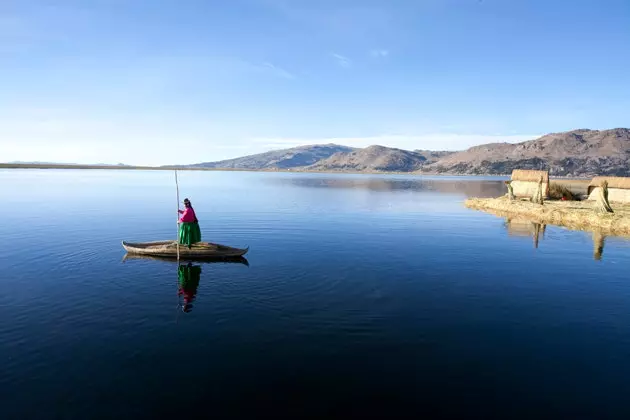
pixel 363 295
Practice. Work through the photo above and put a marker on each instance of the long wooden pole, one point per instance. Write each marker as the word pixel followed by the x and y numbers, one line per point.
pixel 177 240
pixel 177 237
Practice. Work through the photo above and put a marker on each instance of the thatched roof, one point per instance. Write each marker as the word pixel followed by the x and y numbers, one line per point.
pixel 530 176
pixel 613 182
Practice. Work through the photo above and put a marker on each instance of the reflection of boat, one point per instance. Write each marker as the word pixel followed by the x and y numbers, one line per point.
pixel 235 260
pixel 169 249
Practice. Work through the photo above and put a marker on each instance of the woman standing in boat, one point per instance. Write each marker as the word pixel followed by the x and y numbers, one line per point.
pixel 189 232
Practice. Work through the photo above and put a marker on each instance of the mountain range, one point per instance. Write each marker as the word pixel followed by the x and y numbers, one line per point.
pixel 573 153
pixel 297 157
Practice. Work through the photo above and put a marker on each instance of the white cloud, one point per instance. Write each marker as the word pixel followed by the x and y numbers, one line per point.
pixel 343 61
pixel 60 135
pixel 278 71
pixel 379 53
pixel 436 141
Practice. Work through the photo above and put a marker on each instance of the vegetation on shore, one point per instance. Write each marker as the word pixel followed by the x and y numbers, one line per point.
pixel 558 191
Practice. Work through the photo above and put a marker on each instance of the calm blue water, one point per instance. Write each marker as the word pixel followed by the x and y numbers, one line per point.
pixel 364 295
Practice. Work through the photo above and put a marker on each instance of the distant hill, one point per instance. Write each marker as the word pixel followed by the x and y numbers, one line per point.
pixel 296 157
pixel 434 155
pixel 373 158
pixel 572 153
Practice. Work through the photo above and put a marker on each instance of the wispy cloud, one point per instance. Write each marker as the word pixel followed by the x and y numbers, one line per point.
pixel 352 19
pixel 343 61
pixel 72 135
pixel 379 53
pixel 278 71
pixel 435 141
pixel 89 136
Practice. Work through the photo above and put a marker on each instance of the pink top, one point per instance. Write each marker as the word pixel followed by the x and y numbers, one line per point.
pixel 188 215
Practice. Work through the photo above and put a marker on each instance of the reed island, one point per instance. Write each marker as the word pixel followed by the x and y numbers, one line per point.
pixel 602 206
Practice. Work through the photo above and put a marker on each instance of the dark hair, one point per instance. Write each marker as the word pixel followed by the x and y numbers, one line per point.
pixel 187 201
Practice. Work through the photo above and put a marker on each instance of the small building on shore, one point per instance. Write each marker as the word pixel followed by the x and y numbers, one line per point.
pixel 525 182
pixel 618 188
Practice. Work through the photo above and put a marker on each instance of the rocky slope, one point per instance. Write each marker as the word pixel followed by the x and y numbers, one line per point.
pixel 434 155
pixel 296 157
pixel 572 153
pixel 373 158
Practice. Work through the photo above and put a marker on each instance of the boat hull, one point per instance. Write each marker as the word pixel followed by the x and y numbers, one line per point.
pixel 168 249
pixel 183 260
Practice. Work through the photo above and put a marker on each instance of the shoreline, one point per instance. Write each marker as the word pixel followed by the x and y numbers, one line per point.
pixel 185 168
pixel 576 215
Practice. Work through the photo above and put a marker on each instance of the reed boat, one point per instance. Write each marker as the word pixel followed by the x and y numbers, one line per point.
pixel 168 249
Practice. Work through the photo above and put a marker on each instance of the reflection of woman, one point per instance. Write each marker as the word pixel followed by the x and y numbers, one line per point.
pixel 189 232
pixel 189 276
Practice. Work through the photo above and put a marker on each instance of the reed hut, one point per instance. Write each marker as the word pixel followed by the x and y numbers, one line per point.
pixel 618 188
pixel 524 183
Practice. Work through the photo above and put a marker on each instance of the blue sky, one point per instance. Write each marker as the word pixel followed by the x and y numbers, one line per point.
pixel 158 82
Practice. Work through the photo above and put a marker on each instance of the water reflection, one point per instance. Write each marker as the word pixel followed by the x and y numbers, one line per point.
pixel 598 245
pixel 525 227
pixel 465 186
pixel 539 230
pixel 227 260
pixel 189 276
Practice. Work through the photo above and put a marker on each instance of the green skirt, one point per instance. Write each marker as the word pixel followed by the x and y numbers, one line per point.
pixel 189 276
pixel 189 233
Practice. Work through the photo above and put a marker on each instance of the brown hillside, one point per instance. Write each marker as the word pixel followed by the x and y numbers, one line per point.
pixel 373 158
pixel 572 153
